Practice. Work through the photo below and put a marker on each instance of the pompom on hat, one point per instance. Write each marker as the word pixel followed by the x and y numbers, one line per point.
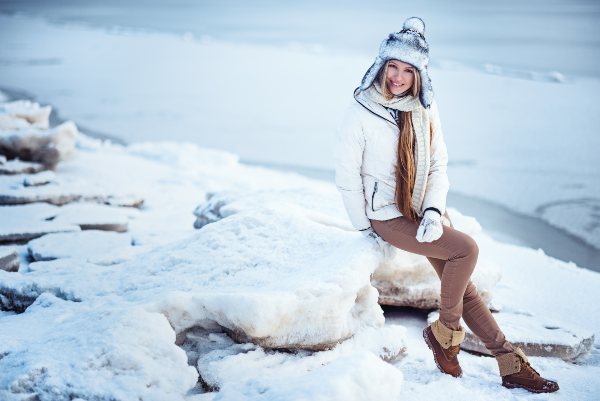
pixel 408 45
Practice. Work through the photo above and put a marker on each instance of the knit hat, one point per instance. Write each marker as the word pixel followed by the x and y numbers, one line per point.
pixel 408 45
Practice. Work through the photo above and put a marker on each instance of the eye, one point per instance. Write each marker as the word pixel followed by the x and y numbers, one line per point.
pixel 409 70
pixel 393 66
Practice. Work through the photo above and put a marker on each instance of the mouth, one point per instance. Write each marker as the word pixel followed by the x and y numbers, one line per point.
pixel 397 85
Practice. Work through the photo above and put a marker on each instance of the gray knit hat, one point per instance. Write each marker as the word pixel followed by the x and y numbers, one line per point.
pixel 408 45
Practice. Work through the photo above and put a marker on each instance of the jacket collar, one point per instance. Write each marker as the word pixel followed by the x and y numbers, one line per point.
pixel 372 106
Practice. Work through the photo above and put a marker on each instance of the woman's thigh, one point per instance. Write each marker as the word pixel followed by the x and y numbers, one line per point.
pixel 401 233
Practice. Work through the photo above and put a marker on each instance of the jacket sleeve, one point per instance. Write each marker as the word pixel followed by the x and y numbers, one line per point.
pixel 348 155
pixel 438 185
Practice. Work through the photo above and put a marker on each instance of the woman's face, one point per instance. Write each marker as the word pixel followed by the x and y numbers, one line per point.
pixel 400 76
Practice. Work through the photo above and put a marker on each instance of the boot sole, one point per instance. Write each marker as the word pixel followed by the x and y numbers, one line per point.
pixel 435 357
pixel 514 385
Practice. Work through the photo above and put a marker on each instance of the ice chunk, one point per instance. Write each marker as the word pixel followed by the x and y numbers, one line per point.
pixel 536 335
pixel 47 147
pixel 59 350
pixel 9 259
pixel 93 246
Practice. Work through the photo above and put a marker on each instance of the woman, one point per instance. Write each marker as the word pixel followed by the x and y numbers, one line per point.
pixel 391 171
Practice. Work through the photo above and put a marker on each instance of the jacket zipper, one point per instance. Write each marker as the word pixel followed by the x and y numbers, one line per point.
pixel 373 196
pixel 378 115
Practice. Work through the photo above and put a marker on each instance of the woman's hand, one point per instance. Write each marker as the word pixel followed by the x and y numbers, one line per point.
pixel 430 228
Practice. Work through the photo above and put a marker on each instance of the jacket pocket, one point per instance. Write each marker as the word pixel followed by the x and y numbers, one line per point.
pixel 382 195
pixel 373 196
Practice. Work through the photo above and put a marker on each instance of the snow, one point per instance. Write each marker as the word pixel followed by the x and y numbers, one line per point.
pixel 243 276
pixel 76 350
pixel 30 221
pixel 536 335
pixel 350 371
pixel 23 114
pixel 99 247
pixel 274 264
pixel 46 146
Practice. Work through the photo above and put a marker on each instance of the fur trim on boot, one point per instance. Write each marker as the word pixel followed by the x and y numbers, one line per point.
pixel 516 372
pixel 445 345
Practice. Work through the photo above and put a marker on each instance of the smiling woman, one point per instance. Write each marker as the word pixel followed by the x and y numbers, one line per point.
pixel 393 134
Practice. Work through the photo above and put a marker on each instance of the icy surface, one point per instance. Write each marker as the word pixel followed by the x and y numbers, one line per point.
pixel 93 246
pixel 279 266
pixel 81 351
pixel 514 148
pixel 536 335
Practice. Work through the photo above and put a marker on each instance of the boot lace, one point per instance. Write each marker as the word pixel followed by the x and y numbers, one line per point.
pixel 531 372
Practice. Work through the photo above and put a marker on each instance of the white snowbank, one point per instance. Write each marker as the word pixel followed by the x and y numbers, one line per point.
pixel 60 351
pixel 245 273
pixel 350 371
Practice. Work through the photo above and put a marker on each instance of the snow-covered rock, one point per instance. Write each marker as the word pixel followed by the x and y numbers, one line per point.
pixel 45 146
pixel 9 259
pixel 536 335
pixel 17 166
pixel 323 204
pixel 25 222
pixel 41 178
pixel 23 114
pixel 403 280
pixel 22 223
pixel 99 247
pixel 91 216
pixel 58 350
pixel 350 371
pixel 245 273
pixel 47 186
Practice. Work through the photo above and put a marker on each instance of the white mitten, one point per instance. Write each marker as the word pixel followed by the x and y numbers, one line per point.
pixel 430 228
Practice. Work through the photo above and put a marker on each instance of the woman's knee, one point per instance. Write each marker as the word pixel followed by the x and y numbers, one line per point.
pixel 466 247
pixel 471 246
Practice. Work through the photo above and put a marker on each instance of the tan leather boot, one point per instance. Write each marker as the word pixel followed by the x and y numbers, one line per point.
pixel 445 345
pixel 516 372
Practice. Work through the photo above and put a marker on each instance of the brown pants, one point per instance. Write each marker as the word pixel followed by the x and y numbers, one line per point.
pixel 453 256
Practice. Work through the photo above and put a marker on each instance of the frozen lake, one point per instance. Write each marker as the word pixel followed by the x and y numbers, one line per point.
pixel 522 36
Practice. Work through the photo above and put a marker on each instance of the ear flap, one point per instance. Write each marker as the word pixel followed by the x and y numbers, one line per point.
pixel 371 73
pixel 426 95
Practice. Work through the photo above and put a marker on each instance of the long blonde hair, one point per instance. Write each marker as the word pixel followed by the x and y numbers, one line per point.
pixel 405 165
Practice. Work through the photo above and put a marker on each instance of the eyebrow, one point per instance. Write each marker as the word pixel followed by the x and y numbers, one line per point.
pixel 408 67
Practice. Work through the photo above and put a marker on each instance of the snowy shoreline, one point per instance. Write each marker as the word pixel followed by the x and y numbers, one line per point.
pixel 510 228
pixel 159 310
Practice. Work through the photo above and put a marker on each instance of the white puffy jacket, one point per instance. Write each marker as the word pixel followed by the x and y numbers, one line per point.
pixel 365 156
